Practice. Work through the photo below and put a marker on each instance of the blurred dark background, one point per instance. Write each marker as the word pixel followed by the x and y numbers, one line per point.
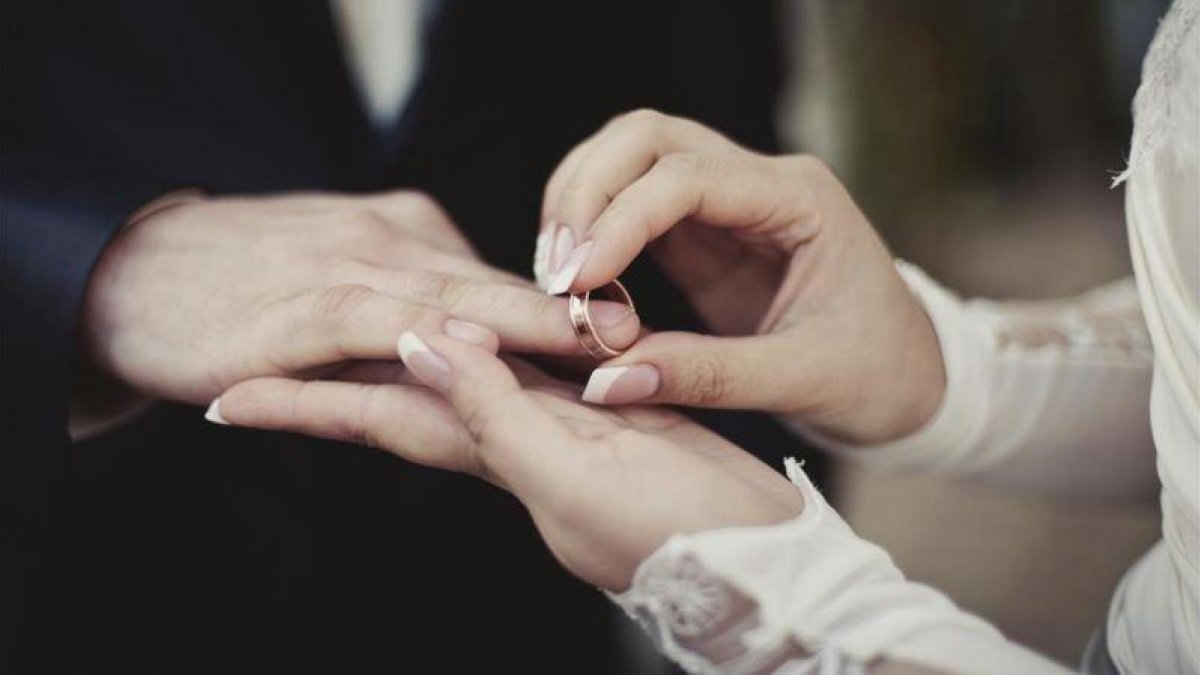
pixel 979 135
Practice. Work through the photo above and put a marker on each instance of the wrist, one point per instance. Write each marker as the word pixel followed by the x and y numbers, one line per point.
pixel 895 395
pixel 910 398
pixel 162 203
pixel 96 324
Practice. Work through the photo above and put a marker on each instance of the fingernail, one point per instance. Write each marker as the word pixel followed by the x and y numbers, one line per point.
pixel 213 414
pixel 564 243
pixel 616 385
pixel 541 256
pixel 472 333
pixel 570 269
pixel 607 314
pixel 425 364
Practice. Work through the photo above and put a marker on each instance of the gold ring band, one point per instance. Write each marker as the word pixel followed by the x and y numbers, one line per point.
pixel 581 320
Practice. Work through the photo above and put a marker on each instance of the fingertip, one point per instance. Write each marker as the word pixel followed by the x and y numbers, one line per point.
pixel 541 255
pixel 254 402
pixel 620 385
pixel 617 323
pixel 470 364
pixel 564 279
pixel 604 261
pixel 426 364
pixel 591 278
pixel 462 356
pixel 408 344
pixel 562 243
pixel 213 413
pixel 473 333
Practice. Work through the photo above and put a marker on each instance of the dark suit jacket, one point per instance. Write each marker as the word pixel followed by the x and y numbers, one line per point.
pixel 176 546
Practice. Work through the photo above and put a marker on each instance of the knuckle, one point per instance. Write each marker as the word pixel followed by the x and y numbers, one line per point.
pixel 419 201
pixel 336 303
pixel 705 381
pixel 409 316
pixel 344 270
pixel 542 305
pixel 641 128
pixel 546 311
pixel 809 176
pixel 419 205
pixel 439 291
pixel 681 168
pixel 809 166
pixel 476 418
pixel 538 313
pixel 469 458
pixel 646 118
pixel 368 227
pixel 575 195
pixel 684 166
pixel 362 429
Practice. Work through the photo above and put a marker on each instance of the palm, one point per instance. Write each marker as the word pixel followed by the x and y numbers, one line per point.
pixel 605 486
pixel 644 474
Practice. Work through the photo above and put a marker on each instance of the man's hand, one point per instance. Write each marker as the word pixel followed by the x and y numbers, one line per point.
pixel 199 296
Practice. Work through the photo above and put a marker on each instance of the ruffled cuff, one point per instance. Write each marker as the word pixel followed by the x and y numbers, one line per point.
pixel 815 599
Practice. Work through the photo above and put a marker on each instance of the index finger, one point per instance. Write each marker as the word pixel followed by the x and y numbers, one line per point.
pixel 624 150
pixel 756 196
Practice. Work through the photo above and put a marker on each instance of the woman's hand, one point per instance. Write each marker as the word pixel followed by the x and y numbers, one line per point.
pixel 605 487
pixel 814 321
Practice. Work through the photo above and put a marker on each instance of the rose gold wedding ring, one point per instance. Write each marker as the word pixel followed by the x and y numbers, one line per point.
pixel 581 320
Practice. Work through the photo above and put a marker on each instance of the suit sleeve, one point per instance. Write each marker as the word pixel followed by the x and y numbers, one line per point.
pixel 52 231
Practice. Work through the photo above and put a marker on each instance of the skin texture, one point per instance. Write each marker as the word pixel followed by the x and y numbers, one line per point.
pixel 605 487
pixel 812 321
pixel 198 296
pixel 810 317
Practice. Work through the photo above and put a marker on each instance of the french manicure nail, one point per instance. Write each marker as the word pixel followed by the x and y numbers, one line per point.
pixel 570 269
pixel 541 256
pixel 564 243
pixel 616 385
pixel 213 414
pixel 425 364
pixel 471 333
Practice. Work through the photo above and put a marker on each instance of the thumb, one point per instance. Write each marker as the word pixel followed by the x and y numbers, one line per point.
pixel 699 370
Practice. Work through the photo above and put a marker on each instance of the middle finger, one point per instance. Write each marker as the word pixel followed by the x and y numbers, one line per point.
pixel 526 320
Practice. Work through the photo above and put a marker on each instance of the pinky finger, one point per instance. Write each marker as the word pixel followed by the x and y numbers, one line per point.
pixel 410 422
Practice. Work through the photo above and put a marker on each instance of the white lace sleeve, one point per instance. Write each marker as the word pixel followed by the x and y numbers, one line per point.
pixel 1050 395
pixel 807 596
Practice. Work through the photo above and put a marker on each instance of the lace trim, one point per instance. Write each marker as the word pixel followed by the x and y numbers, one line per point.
pixel 1105 322
pixel 690 614
pixel 690 599
pixel 1155 102
pixel 689 618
